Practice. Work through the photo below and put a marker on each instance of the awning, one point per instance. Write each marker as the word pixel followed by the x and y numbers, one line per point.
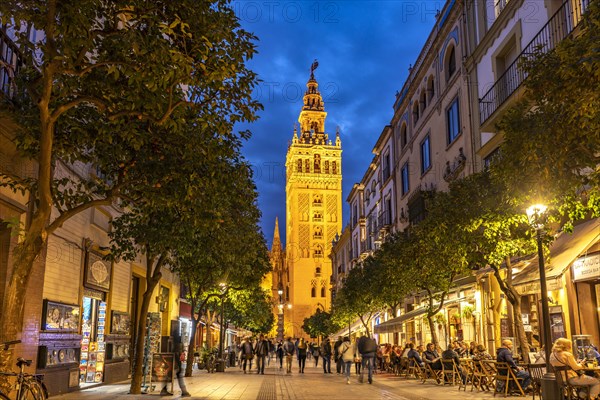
pixel 563 251
pixel 353 327
pixel 395 324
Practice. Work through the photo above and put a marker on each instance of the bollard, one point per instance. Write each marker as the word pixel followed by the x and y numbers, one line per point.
pixel 550 390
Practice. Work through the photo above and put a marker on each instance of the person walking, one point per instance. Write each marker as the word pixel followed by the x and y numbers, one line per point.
pixel 326 355
pixel 367 347
pixel 261 350
pixel 357 357
pixel 336 355
pixel 316 352
pixel 246 354
pixel 279 353
pixel 288 351
pixel 301 354
pixel 347 357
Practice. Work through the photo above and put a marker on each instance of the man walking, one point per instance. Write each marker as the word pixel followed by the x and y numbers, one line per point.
pixel 367 347
pixel 288 351
pixel 301 352
pixel 326 355
pixel 336 355
pixel 261 350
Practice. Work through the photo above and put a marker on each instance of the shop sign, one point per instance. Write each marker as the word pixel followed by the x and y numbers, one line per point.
pixel 535 287
pixel 586 268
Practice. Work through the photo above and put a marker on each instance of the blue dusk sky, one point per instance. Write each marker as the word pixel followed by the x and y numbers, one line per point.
pixel 364 49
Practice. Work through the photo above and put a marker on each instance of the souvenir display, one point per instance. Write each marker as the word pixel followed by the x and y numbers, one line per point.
pixel 91 365
pixel 60 317
pixel 120 323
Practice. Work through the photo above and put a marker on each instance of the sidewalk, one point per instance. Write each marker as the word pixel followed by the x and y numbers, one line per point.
pixel 275 384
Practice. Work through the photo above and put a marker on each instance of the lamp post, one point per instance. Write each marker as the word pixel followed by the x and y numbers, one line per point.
pixel 280 307
pixel 535 215
pixel 222 330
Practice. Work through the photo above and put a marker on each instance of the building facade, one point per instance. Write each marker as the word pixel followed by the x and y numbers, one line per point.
pixel 313 210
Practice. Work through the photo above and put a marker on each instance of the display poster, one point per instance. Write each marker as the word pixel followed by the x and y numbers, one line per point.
pixel 162 367
pixel 60 317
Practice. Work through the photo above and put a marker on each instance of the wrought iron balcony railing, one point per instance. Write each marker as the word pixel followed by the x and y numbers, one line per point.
pixel 558 27
pixel 10 63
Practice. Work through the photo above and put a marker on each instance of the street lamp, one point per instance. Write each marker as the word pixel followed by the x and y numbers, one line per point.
pixel 221 333
pixel 280 307
pixel 536 217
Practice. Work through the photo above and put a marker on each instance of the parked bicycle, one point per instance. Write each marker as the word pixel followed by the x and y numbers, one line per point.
pixel 27 386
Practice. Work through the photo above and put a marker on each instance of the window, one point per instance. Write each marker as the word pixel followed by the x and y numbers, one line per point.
pixel 451 63
pixel 307 165
pixel 423 101
pixel 323 292
pixel 299 165
pixel 334 168
pixel 415 113
pixel 386 166
pixel 453 119
pixel 403 136
pixel 405 183
pixel 313 292
pixel 326 167
pixel 430 89
pixel 355 214
pixel 318 216
pixel 425 155
pixel 489 160
pixel 317 163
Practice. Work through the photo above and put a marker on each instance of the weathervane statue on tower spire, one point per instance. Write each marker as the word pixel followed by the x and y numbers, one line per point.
pixel 313 66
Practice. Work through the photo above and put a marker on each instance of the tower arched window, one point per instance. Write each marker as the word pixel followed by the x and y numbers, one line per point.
pixel 323 291
pixel 326 167
pixel 334 167
pixel 306 165
pixel 299 165
pixel 423 101
pixel 317 168
pixel 313 292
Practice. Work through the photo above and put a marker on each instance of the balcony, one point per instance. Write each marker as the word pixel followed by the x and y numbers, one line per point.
pixel 10 63
pixel 558 27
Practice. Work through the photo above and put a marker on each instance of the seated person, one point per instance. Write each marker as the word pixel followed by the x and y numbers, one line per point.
pixel 413 355
pixel 504 354
pixel 432 357
pixel 481 354
pixel 450 354
pixel 562 356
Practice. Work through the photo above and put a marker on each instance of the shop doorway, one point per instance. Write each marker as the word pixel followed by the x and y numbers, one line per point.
pixel 93 346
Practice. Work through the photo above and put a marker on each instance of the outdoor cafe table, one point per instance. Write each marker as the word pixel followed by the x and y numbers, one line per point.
pixel 595 370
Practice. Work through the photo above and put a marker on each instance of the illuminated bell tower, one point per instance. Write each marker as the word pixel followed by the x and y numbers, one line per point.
pixel 313 210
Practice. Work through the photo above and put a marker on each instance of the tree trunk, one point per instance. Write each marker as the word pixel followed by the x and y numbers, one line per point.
pixel 191 350
pixel 153 276
pixel 432 329
pixel 515 299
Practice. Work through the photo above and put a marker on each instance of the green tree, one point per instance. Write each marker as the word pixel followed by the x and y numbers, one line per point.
pixel 110 78
pixel 320 324
pixel 358 298
pixel 551 148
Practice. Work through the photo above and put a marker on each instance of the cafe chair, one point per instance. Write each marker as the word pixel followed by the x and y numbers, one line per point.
pixel 569 391
pixel 450 371
pixel 506 375
pixel 480 378
pixel 431 373
pixel 536 372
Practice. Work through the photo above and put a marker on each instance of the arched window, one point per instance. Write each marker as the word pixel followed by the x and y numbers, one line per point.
pixel 326 167
pixel 403 136
pixel 430 89
pixel 323 292
pixel 334 167
pixel 317 163
pixel 423 101
pixel 299 165
pixel 313 292
pixel 451 63
pixel 415 112
pixel 307 165
pixel 318 271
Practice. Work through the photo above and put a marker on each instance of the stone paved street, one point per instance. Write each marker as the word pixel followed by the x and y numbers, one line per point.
pixel 276 385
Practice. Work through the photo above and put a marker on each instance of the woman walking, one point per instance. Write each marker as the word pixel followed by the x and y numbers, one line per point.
pixel 347 356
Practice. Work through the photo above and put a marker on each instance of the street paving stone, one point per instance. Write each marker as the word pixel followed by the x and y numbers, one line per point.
pixel 275 384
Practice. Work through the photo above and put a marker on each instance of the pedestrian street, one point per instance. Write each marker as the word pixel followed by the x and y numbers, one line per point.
pixel 275 384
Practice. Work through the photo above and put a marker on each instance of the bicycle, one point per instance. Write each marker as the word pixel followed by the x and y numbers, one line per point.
pixel 27 386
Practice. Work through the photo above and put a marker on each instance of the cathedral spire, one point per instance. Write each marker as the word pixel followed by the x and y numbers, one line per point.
pixel 276 240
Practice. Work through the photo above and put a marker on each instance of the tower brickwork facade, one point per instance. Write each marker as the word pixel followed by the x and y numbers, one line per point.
pixel 313 210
